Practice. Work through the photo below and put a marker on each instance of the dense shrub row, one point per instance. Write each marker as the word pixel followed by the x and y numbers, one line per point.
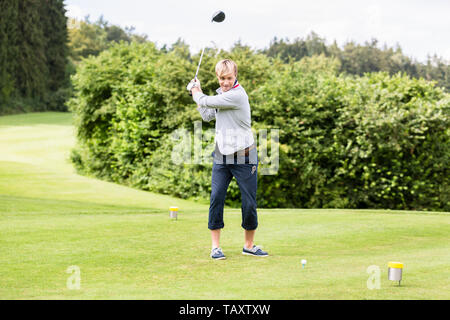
pixel 376 141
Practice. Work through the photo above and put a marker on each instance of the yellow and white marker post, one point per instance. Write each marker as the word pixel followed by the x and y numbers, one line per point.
pixel 173 212
pixel 395 270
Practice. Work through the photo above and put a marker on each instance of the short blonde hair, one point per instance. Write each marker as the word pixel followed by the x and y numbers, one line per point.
pixel 226 66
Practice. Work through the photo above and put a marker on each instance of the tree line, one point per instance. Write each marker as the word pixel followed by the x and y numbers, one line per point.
pixel 358 59
pixel 40 50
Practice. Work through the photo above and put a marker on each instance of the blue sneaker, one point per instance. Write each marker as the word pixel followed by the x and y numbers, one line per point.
pixel 255 251
pixel 217 254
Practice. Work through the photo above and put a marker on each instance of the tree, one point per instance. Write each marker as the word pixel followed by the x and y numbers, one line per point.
pixel 299 48
pixel 8 35
pixel 90 38
pixel 31 69
pixel 86 39
pixel 33 55
pixel 54 27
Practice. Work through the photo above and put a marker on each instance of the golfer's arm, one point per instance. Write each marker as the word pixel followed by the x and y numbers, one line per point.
pixel 207 114
pixel 221 101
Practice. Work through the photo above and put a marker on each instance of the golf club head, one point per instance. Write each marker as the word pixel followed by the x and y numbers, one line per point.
pixel 218 16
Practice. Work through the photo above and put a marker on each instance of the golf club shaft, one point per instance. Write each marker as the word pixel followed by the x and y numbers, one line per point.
pixel 199 63
pixel 218 16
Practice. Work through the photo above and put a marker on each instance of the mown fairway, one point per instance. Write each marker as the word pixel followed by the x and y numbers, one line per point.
pixel 126 247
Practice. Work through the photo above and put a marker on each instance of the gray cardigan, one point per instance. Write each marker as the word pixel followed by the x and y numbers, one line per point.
pixel 231 110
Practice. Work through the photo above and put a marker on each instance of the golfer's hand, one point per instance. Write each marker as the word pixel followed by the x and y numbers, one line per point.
pixel 194 86
pixel 190 85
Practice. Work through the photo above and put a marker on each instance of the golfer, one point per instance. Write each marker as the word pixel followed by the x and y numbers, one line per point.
pixel 235 154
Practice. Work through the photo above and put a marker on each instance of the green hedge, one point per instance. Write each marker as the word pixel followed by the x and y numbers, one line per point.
pixel 345 142
pixel 369 142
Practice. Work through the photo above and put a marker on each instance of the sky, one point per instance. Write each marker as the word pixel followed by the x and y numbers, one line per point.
pixel 419 27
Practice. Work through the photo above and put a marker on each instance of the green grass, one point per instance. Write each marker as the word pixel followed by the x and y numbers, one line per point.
pixel 127 247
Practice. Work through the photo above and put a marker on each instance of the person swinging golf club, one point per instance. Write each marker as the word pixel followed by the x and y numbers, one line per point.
pixel 235 154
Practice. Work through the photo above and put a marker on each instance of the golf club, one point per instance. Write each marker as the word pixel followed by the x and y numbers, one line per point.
pixel 218 17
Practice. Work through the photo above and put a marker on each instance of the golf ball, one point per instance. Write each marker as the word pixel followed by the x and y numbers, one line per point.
pixel 303 261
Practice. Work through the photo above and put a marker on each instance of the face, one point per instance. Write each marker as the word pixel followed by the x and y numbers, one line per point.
pixel 226 81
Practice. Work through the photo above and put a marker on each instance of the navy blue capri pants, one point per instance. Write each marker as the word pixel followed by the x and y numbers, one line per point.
pixel 245 170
